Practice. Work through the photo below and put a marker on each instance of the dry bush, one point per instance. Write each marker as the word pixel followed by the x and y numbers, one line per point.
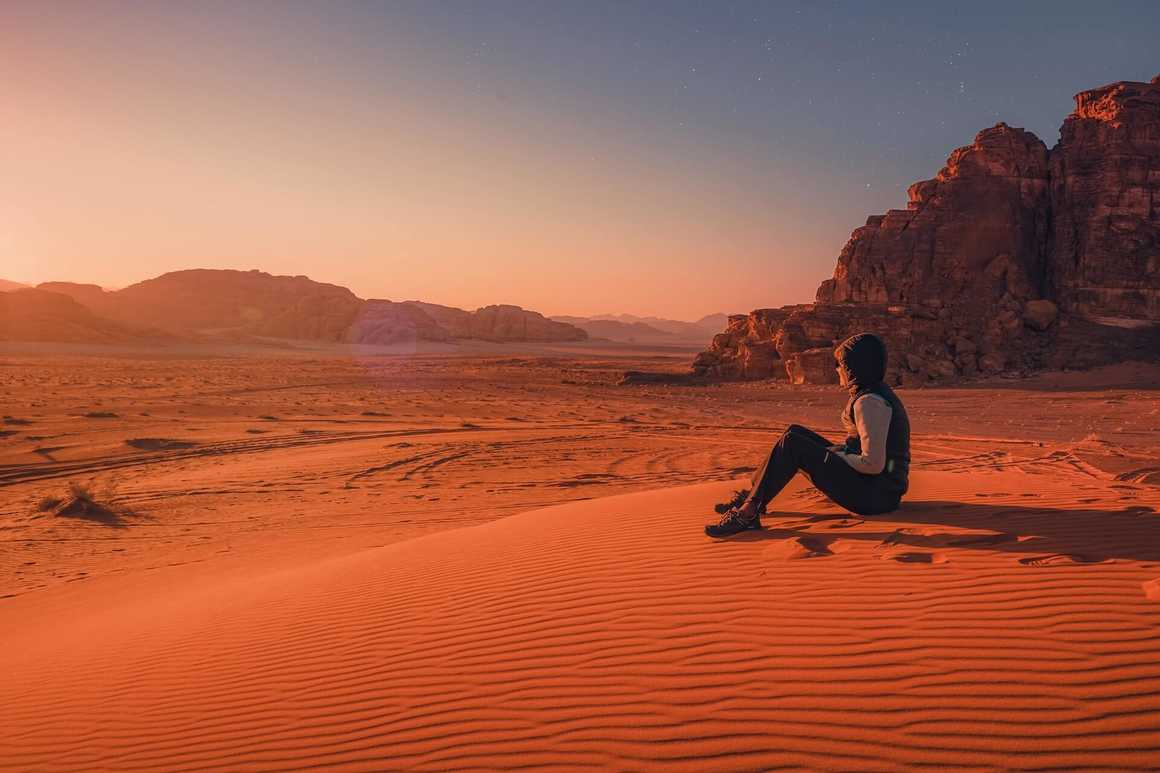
pixel 88 501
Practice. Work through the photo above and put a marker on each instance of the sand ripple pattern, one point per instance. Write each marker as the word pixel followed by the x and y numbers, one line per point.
pixel 611 634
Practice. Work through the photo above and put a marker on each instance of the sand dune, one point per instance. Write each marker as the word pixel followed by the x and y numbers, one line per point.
pixel 311 564
pixel 990 623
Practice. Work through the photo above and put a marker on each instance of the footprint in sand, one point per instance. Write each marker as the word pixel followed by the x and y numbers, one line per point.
pixel 982 540
pixel 919 557
pixel 1060 559
pixel 806 546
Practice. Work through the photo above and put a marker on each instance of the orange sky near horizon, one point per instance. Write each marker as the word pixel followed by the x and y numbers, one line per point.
pixel 161 159
pixel 568 157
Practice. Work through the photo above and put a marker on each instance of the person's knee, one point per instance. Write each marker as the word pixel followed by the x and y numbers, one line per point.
pixel 795 428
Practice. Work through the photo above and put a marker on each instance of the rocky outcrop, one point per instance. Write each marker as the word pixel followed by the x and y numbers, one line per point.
pixel 747 348
pixel 500 323
pixel 1105 197
pixel 385 322
pixel 1012 258
pixel 976 230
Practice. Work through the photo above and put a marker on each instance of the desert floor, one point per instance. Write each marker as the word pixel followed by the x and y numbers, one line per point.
pixel 423 560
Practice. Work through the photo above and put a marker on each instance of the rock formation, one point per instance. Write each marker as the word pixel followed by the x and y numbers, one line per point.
pixel 1105 194
pixel 91 296
pixel 1011 258
pixel 212 304
pixel 8 285
pixel 385 322
pixel 500 323
pixel 251 302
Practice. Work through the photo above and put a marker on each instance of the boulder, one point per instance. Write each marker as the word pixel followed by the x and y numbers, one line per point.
pixel 812 366
pixel 1040 314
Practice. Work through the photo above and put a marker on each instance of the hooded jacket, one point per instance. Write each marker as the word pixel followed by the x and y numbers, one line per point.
pixel 864 358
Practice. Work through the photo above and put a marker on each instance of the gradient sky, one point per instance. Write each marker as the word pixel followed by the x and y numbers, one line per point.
pixel 670 158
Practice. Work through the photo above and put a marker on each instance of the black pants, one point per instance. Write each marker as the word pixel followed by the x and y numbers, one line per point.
pixel 803 449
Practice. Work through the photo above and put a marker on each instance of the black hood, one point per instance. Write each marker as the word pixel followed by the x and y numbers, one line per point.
pixel 864 356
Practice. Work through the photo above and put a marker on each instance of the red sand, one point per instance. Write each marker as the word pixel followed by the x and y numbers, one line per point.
pixel 1001 619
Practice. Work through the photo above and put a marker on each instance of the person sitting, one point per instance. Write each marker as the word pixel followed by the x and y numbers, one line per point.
pixel 868 474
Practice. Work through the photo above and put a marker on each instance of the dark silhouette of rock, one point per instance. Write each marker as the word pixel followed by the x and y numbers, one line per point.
pixel 1012 258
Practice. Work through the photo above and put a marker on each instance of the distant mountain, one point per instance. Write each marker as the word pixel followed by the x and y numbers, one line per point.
pixel 613 330
pixel 38 315
pixel 237 305
pixel 502 322
pixel 220 301
pixel 6 285
pixel 94 297
pixel 713 321
pixel 681 331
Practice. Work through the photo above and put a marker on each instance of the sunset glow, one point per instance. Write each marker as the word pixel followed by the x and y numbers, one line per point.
pixel 573 158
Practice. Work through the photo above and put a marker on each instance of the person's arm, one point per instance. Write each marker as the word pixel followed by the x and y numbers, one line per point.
pixel 872 417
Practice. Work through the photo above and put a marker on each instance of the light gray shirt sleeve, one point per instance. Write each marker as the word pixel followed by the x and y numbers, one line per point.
pixel 872 419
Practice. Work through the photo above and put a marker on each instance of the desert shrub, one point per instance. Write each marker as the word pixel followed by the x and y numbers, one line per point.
pixel 87 501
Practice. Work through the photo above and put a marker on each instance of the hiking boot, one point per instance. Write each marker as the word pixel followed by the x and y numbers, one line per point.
pixel 733 522
pixel 737 501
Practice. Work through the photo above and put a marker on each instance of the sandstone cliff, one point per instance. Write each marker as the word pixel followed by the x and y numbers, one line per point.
pixel 1105 193
pixel 1011 258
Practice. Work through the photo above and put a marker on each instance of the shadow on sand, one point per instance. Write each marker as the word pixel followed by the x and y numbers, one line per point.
pixel 1041 535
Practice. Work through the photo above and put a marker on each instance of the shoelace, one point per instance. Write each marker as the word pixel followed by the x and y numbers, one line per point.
pixel 734 516
pixel 739 497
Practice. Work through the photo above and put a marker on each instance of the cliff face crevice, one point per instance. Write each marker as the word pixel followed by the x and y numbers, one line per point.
pixel 997 262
